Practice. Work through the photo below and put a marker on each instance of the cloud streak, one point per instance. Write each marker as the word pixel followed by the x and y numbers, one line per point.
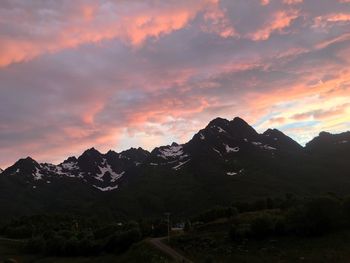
pixel 116 74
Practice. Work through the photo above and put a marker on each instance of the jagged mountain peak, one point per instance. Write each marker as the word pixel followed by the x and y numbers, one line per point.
pixel 222 142
pixel 328 142
pixel 324 134
pixel 239 120
pixel 326 137
pixel 71 159
pixel 278 139
pixel 218 122
pixel 133 149
pixel 237 129
pixel 27 162
pixel 275 134
pixel 111 152
pixel 240 128
pixel 25 166
pixel 92 152
pixel 272 132
pixel 138 154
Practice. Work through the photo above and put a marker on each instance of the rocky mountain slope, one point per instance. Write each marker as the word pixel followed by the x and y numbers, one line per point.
pixel 225 161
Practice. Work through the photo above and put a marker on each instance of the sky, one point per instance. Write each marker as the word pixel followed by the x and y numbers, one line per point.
pixel 115 74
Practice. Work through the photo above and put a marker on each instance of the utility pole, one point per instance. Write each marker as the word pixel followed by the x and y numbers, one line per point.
pixel 168 217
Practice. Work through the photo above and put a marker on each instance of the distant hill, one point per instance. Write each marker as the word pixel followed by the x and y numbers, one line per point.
pixel 224 162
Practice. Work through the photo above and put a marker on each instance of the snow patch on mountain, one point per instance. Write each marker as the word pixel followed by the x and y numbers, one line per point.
pixel 171 151
pixel 69 166
pixel 221 130
pixel 267 147
pixel 179 166
pixel 116 176
pixel 37 175
pixel 106 168
pixel 106 189
pixel 201 136
pixel 264 147
pixel 231 149
pixel 232 173
pixel 215 150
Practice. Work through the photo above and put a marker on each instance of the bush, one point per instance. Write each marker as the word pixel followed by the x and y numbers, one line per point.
pixel 316 217
pixel 346 208
pixel 34 245
pixel 281 226
pixel 216 213
pixel 187 226
pixel 106 231
pixel 239 232
pixel 72 247
pixel 120 242
pixel 262 226
pixel 55 246
pixel 160 229
pixel 18 231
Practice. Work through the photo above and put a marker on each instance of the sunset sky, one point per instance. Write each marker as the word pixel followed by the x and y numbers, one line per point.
pixel 115 74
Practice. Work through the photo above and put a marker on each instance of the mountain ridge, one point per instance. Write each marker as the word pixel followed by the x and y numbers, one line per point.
pixel 230 142
pixel 225 162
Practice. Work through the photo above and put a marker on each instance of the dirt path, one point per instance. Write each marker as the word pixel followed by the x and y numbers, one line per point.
pixel 157 242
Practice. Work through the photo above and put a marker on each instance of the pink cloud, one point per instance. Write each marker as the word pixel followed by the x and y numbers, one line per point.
pixel 131 73
pixel 280 21
pixel 132 23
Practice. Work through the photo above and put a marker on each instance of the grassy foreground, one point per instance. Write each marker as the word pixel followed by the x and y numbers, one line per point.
pixel 213 245
pixel 140 252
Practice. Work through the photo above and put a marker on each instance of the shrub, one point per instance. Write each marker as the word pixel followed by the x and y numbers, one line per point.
pixel 187 226
pixel 262 226
pixel 55 246
pixel 281 226
pixel 106 231
pixel 316 217
pixel 71 247
pixel 34 245
pixel 346 208
pixel 120 242
pixel 239 232
pixel 216 213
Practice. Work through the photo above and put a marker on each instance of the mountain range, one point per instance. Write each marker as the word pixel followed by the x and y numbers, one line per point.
pixel 227 161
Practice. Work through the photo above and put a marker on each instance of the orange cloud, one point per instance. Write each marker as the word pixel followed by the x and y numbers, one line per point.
pixel 90 113
pixel 280 21
pixel 278 120
pixel 321 114
pixel 331 19
pixel 92 24
pixel 218 22
pixel 264 2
